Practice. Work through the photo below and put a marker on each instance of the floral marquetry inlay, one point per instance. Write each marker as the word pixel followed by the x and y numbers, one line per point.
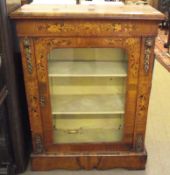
pixel 87 27
pixel 132 46
pixel 143 100
pixel 44 45
pixel 143 103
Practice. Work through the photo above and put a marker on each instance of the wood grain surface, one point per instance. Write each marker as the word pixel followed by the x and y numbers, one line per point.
pixel 45 28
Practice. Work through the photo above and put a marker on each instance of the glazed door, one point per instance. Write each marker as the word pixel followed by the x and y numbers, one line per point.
pixel 87 91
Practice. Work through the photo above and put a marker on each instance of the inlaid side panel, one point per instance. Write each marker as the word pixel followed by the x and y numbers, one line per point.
pixel 144 87
pixel 31 85
pixel 43 47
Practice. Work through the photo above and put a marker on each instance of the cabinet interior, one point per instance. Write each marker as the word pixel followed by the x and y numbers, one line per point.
pixel 87 88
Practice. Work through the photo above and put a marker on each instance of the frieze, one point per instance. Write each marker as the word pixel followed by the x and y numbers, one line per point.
pixel 86 27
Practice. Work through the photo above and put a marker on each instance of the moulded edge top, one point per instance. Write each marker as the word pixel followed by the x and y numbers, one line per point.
pixel 132 12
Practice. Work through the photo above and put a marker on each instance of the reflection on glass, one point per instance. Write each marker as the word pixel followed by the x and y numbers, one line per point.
pixel 87 88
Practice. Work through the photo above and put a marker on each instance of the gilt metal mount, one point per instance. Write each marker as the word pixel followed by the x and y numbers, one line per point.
pixel 139 143
pixel 27 49
pixel 42 101
pixel 38 144
pixel 149 42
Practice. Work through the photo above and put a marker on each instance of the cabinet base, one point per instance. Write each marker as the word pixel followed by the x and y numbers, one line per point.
pixel 128 160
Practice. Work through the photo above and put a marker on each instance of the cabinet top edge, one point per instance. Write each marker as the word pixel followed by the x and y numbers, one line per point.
pixel 136 12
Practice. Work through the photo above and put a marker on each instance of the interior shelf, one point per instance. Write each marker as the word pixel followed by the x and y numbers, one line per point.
pixel 87 128
pixel 87 104
pixel 87 69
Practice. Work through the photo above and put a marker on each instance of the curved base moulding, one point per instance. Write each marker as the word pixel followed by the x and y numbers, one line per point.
pixel 127 160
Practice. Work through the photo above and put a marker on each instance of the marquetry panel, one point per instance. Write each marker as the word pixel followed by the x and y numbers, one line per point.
pixel 85 28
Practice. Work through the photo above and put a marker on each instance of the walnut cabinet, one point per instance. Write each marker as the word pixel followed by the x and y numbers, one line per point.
pixel 88 72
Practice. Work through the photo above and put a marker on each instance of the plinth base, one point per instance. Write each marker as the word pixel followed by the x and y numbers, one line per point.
pixel 127 160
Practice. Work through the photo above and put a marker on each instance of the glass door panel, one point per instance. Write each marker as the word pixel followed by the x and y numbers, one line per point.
pixel 87 88
pixel 86 128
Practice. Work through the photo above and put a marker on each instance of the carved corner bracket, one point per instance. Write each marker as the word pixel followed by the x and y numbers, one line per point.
pixel 149 42
pixel 27 49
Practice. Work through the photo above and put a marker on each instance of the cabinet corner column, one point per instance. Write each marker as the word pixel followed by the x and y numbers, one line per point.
pixel 31 87
pixel 144 88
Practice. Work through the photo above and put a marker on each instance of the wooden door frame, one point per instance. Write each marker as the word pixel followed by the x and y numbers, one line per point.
pixel 42 48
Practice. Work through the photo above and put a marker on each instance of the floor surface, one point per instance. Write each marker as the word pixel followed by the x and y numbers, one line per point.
pixel 162 54
pixel 157 136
